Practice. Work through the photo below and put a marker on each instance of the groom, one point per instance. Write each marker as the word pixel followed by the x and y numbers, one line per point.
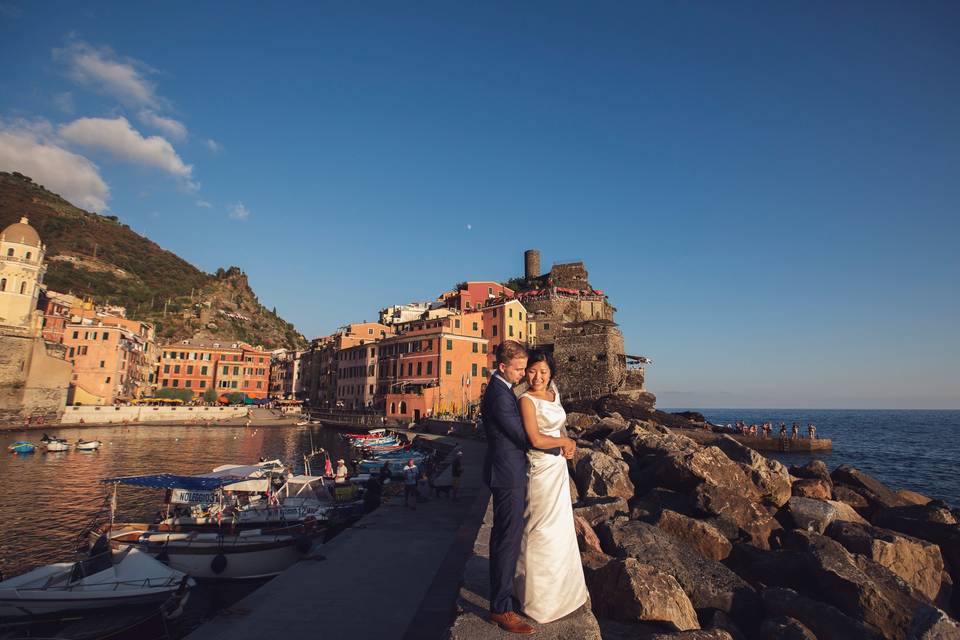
pixel 505 472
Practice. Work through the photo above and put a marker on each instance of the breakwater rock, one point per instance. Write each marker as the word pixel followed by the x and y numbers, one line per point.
pixel 687 540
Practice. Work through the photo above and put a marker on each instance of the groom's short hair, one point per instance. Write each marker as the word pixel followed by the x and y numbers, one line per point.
pixel 510 350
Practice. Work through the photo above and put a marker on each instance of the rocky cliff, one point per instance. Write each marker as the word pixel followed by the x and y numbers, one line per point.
pixel 100 258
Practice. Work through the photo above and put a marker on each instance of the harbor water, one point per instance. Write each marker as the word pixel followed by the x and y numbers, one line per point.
pixel 48 498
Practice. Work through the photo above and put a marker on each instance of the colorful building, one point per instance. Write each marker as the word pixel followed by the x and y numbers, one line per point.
pixel 435 367
pixel 113 358
pixel 225 367
pixel 504 319
pixel 472 295
pixel 356 376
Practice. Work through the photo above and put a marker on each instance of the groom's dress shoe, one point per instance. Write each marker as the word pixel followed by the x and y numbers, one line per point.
pixel 511 622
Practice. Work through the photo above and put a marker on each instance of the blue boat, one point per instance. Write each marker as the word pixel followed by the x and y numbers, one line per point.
pixel 395 465
pixel 22 447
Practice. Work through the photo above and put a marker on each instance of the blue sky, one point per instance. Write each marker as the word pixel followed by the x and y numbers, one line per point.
pixel 768 192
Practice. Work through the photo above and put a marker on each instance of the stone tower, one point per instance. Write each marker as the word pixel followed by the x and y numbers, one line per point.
pixel 21 273
pixel 531 263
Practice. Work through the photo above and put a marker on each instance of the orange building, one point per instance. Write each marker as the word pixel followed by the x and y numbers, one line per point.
pixel 471 296
pixel 113 357
pixel 504 319
pixel 435 367
pixel 225 367
pixel 325 388
pixel 357 376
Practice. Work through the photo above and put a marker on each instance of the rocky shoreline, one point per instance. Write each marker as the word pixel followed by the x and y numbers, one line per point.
pixel 686 540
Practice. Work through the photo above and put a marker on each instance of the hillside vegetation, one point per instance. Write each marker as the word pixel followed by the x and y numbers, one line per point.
pixel 101 258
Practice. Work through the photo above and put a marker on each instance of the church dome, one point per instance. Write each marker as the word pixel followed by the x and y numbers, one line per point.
pixel 21 232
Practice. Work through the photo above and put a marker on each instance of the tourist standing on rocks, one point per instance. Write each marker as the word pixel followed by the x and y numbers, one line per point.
pixel 795 431
pixel 505 472
pixel 549 582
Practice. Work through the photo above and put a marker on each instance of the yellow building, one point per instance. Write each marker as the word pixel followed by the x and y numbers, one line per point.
pixel 504 319
pixel 21 273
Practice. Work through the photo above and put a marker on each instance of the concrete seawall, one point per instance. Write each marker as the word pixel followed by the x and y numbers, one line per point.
pixel 119 414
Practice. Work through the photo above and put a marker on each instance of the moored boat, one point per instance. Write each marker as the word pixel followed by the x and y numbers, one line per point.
pixel 105 580
pixel 88 445
pixel 54 443
pixel 21 446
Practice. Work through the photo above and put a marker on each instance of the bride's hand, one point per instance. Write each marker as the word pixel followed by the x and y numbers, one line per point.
pixel 569 447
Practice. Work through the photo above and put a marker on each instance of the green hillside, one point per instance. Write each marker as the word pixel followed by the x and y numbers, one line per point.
pixel 99 257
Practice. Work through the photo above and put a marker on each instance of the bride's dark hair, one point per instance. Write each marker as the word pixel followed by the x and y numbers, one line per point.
pixel 542 355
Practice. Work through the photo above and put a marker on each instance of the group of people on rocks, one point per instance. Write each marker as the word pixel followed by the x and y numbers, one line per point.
pixel 765 430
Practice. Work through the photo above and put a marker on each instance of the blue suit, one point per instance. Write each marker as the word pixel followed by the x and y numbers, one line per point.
pixel 505 472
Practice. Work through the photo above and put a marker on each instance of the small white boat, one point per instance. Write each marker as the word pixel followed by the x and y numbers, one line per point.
pixel 106 580
pixel 53 443
pixel 88 445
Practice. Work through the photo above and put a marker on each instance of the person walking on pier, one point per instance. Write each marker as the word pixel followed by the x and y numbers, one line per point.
pixel 411 475
pixel 456 469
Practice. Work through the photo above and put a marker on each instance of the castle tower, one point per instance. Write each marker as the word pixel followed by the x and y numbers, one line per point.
pixel 531 263
pixel 21 273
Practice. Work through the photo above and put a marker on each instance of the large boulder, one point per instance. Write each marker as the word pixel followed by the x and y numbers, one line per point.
pixel 877 493
pixel 933 511
pixel 850 496
pixel 752 521
pixel 701 536
pixel 816 515
pixel 825 621
pixel 916 561
pixel 858 586
pixel 913 497
pixel 818 489
pixel 685 470
pixel 770 476
pixel 931 623
pixel 784 628
pixel 629 590
pixel 947 536
pixel 598 509
pixel 599 474
pixel 813 470
pixel 708 583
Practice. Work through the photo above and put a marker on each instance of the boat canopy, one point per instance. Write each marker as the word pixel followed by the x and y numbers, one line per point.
pixel 245 470
pixel 171 481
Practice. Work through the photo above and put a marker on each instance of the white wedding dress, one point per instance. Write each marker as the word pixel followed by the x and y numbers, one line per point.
pixel 549 581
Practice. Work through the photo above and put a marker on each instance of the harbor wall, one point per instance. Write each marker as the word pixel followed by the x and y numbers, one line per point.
pixel 101 415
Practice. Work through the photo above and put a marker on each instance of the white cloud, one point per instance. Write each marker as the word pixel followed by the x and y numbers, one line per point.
pixel 64 101
pixel 173 128
pixel 26 147
pixel 101 69
pixel 214 146
pixel 203 204
pixel 122 140
pixel 239 212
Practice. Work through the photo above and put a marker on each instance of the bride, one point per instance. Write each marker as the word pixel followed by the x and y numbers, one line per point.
pixel 549 581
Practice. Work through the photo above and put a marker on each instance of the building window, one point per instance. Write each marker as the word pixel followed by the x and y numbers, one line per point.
pixel 259 385
pixel 409 368
pixel 494 331
pixel 190 370
pixel 393 407
pixel 449 367
pixel 474 326
pixel 203 370
pixel 510 330
pixel 403 407
pixel 176 382
pixel 456 324
pixel 3 285
pixel 233 384
pixel 429 367
pixel 226 370
pixel 419 369
pixel 483 347
pixel 106 335
pixel 494 313
pixel 474 347
pixel 449 345
pixel 521 335
pixel 203 383
pixel 76 335
pixel 485 373
pixel 188 383
pixel 473 369
pixel 103 363
pixel 9 253
pixel 23 287
pixel 510 312
pixel 166 367
pixel 489 291
pixel 236 371
pixel 107 380
pixel 546 326
pixel 71 352
pixel 176 368
pixel 164 382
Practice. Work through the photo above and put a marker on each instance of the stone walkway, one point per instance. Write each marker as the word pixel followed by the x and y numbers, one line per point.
pixel 397 573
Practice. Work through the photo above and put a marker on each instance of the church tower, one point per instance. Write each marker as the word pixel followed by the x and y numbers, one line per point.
pixel 21 273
